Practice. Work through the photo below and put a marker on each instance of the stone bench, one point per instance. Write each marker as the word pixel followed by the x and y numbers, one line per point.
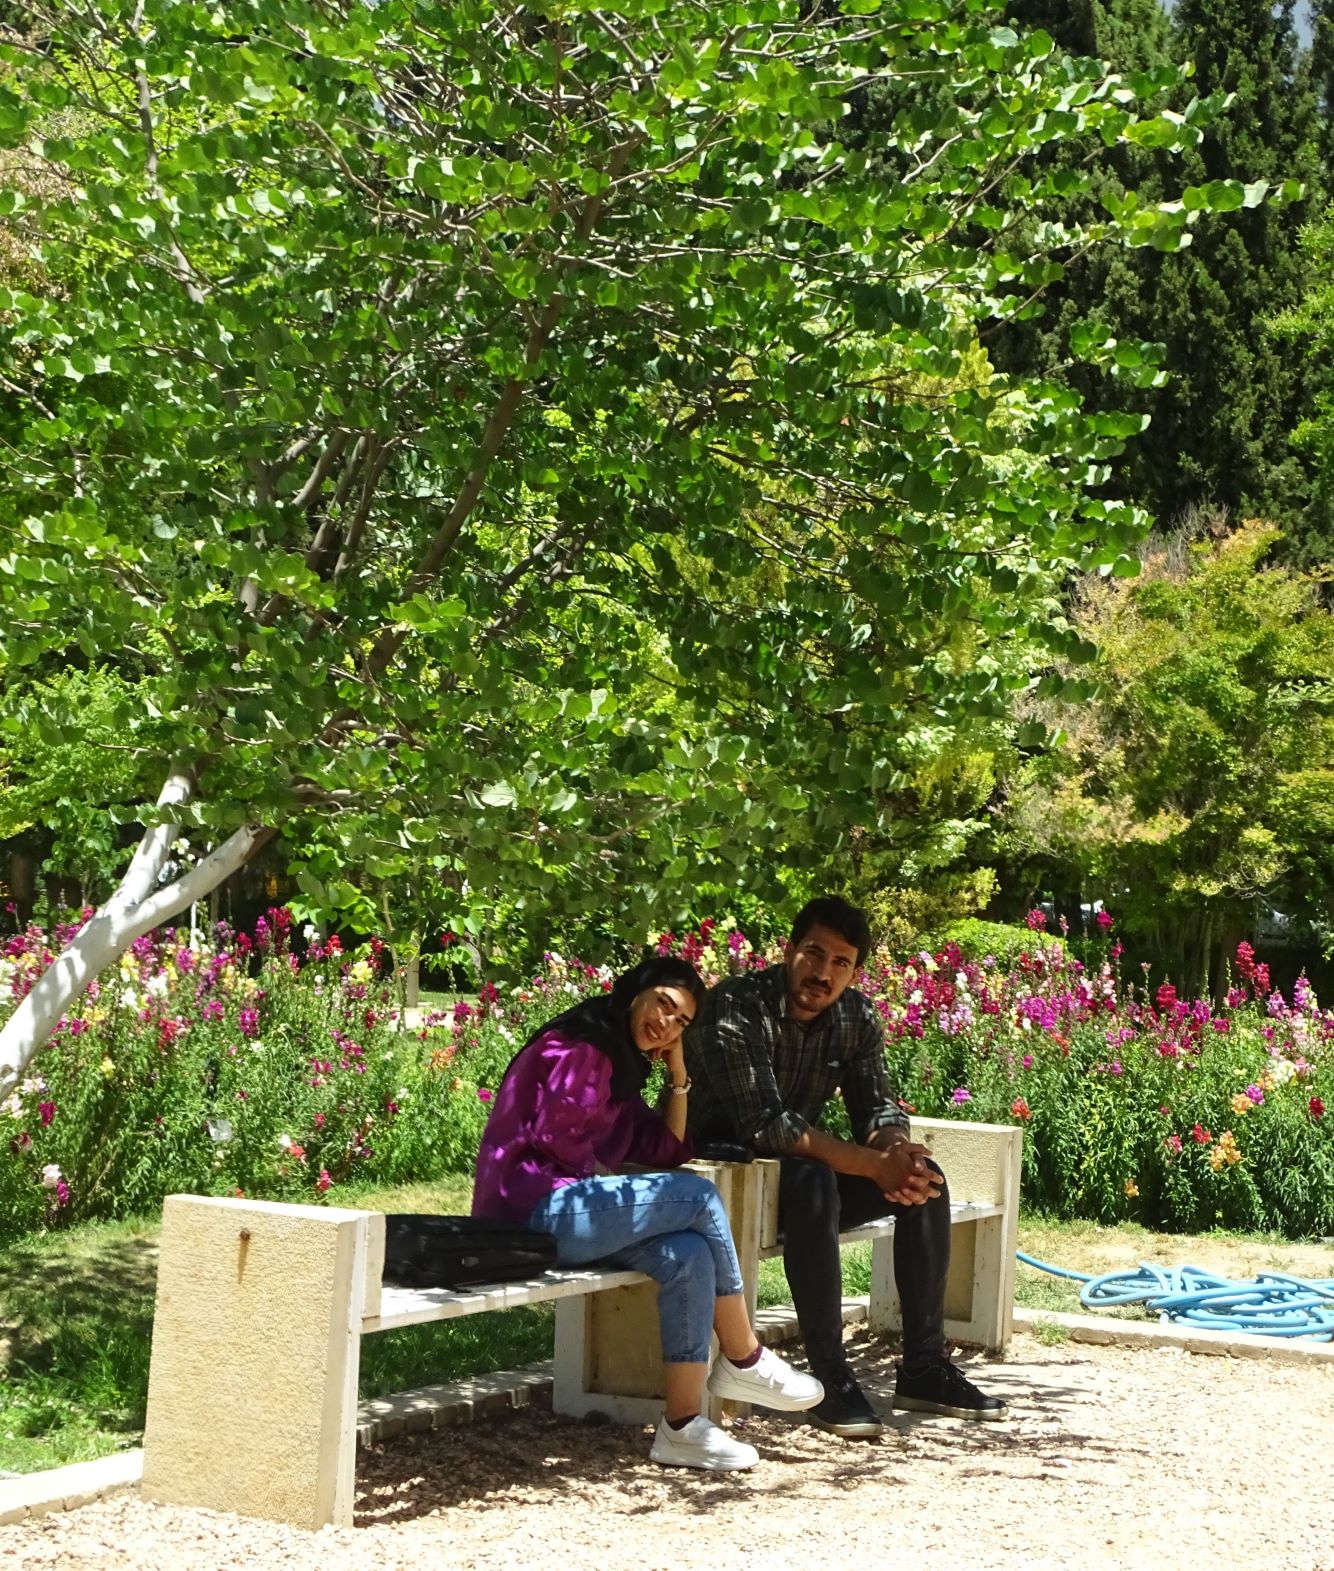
pixel 261 1307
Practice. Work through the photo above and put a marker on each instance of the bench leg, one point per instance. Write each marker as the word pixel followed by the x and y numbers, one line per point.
pixel 609 1355
pixel 979 1296
pixel 884 1313
pixel 252 1394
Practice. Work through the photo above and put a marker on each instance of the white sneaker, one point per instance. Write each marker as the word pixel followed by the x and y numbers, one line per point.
pixel 703 1445
pixel 769 1382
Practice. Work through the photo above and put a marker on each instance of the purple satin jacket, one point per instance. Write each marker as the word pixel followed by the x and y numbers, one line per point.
pixel 554 1122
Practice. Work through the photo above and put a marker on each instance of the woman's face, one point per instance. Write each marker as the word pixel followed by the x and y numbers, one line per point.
pixel 657 1018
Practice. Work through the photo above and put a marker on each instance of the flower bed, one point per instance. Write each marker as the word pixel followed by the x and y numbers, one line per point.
pixel 236 1065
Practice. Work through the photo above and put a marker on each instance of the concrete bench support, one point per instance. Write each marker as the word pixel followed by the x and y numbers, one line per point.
pixel 252 1397
pixel 982 1163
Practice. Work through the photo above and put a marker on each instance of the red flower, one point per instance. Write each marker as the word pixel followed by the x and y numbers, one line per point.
pixel 1317 1107
pixel 1200 1135
pixel 46 1111
pixel 1021 1110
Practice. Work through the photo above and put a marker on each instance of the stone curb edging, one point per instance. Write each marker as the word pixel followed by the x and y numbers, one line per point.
pixel 64 1488
pixel 463 1401
pixel 1134 1333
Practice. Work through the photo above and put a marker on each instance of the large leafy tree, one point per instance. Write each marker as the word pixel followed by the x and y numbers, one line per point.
pixel 407 385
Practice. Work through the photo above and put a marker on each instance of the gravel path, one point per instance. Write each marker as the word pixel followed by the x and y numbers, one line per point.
pixel 1111 1459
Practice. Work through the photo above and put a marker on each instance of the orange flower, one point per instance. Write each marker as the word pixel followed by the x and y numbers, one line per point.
pixel 1132 1189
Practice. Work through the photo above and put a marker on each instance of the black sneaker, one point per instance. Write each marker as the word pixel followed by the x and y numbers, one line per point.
pixel 943 1388
pixel 844 1409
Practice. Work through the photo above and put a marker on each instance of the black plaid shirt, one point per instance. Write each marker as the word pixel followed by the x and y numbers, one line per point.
pixel 761 1078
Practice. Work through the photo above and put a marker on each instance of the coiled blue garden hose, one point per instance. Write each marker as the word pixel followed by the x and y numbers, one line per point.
pixel 1273 1304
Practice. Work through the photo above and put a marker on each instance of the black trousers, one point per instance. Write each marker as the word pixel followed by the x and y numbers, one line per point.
pixel 813 1203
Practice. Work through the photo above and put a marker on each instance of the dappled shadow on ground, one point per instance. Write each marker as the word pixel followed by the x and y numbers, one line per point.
pixel 82 1318
pixel 532 1457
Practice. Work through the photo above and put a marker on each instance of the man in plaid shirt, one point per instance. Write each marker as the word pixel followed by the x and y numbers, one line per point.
pixel 765 1054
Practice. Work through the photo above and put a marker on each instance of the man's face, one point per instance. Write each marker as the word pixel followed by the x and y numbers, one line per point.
pixel 818 969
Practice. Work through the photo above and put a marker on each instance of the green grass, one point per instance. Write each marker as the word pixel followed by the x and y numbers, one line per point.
pixel 76 1315
pixel 76 1311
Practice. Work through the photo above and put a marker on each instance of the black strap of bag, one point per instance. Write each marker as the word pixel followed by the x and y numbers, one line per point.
pixel 461 1251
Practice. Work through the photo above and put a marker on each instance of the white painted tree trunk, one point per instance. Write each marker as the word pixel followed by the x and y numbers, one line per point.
pixel 136 907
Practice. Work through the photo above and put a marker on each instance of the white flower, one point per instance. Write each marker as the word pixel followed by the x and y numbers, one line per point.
pixel 915 997
pixel 156 986
pixel 12 1106
pixel 285 1142
pixel 1025 1024
pixel 1283 1071
pixel 50 1176
pixel 310 932
pixel 961 981
pixel 33 1085
pixel 220 1130
pixel 130 1000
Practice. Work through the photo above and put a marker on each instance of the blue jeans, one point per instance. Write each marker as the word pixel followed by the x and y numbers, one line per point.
pixel 670 1226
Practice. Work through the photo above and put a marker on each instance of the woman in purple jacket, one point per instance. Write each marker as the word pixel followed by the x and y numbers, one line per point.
pixel 567 1114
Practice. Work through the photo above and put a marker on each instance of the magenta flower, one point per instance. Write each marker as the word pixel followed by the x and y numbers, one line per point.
pixel 483 1095
pixel 1036 920
pixel 1104 919
pixel 46 1111
pixel 249 1022
pixel 960 1095
pixel 1256 1095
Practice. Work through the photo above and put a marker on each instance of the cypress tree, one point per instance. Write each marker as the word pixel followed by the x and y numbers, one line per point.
pixel 1221 423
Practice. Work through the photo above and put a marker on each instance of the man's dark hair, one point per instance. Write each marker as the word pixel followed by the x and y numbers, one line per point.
pixel 835 912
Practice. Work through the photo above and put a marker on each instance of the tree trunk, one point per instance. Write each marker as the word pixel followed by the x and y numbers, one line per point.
pixel 136 908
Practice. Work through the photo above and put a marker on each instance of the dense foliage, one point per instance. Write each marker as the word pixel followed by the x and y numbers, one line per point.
pixel 237 1066
pixel 1200 781
pixel 1230 390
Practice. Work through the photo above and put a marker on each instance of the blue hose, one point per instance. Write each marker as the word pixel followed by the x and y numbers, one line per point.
pixel 1274 1304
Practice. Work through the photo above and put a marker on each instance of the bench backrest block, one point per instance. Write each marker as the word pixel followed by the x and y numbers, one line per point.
pixel 980 1161
pixel 256 1339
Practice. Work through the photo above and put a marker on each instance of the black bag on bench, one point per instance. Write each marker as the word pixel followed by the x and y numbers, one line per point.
pixel 461 1251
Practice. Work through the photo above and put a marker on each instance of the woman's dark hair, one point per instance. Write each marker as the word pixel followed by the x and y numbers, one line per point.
pixel 604 1020
pixel 834 912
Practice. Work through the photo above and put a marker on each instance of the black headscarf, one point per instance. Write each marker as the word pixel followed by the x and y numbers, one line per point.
pixel 604 1020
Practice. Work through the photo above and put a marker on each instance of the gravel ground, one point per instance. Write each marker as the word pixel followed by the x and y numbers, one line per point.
pixel 1110 1458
